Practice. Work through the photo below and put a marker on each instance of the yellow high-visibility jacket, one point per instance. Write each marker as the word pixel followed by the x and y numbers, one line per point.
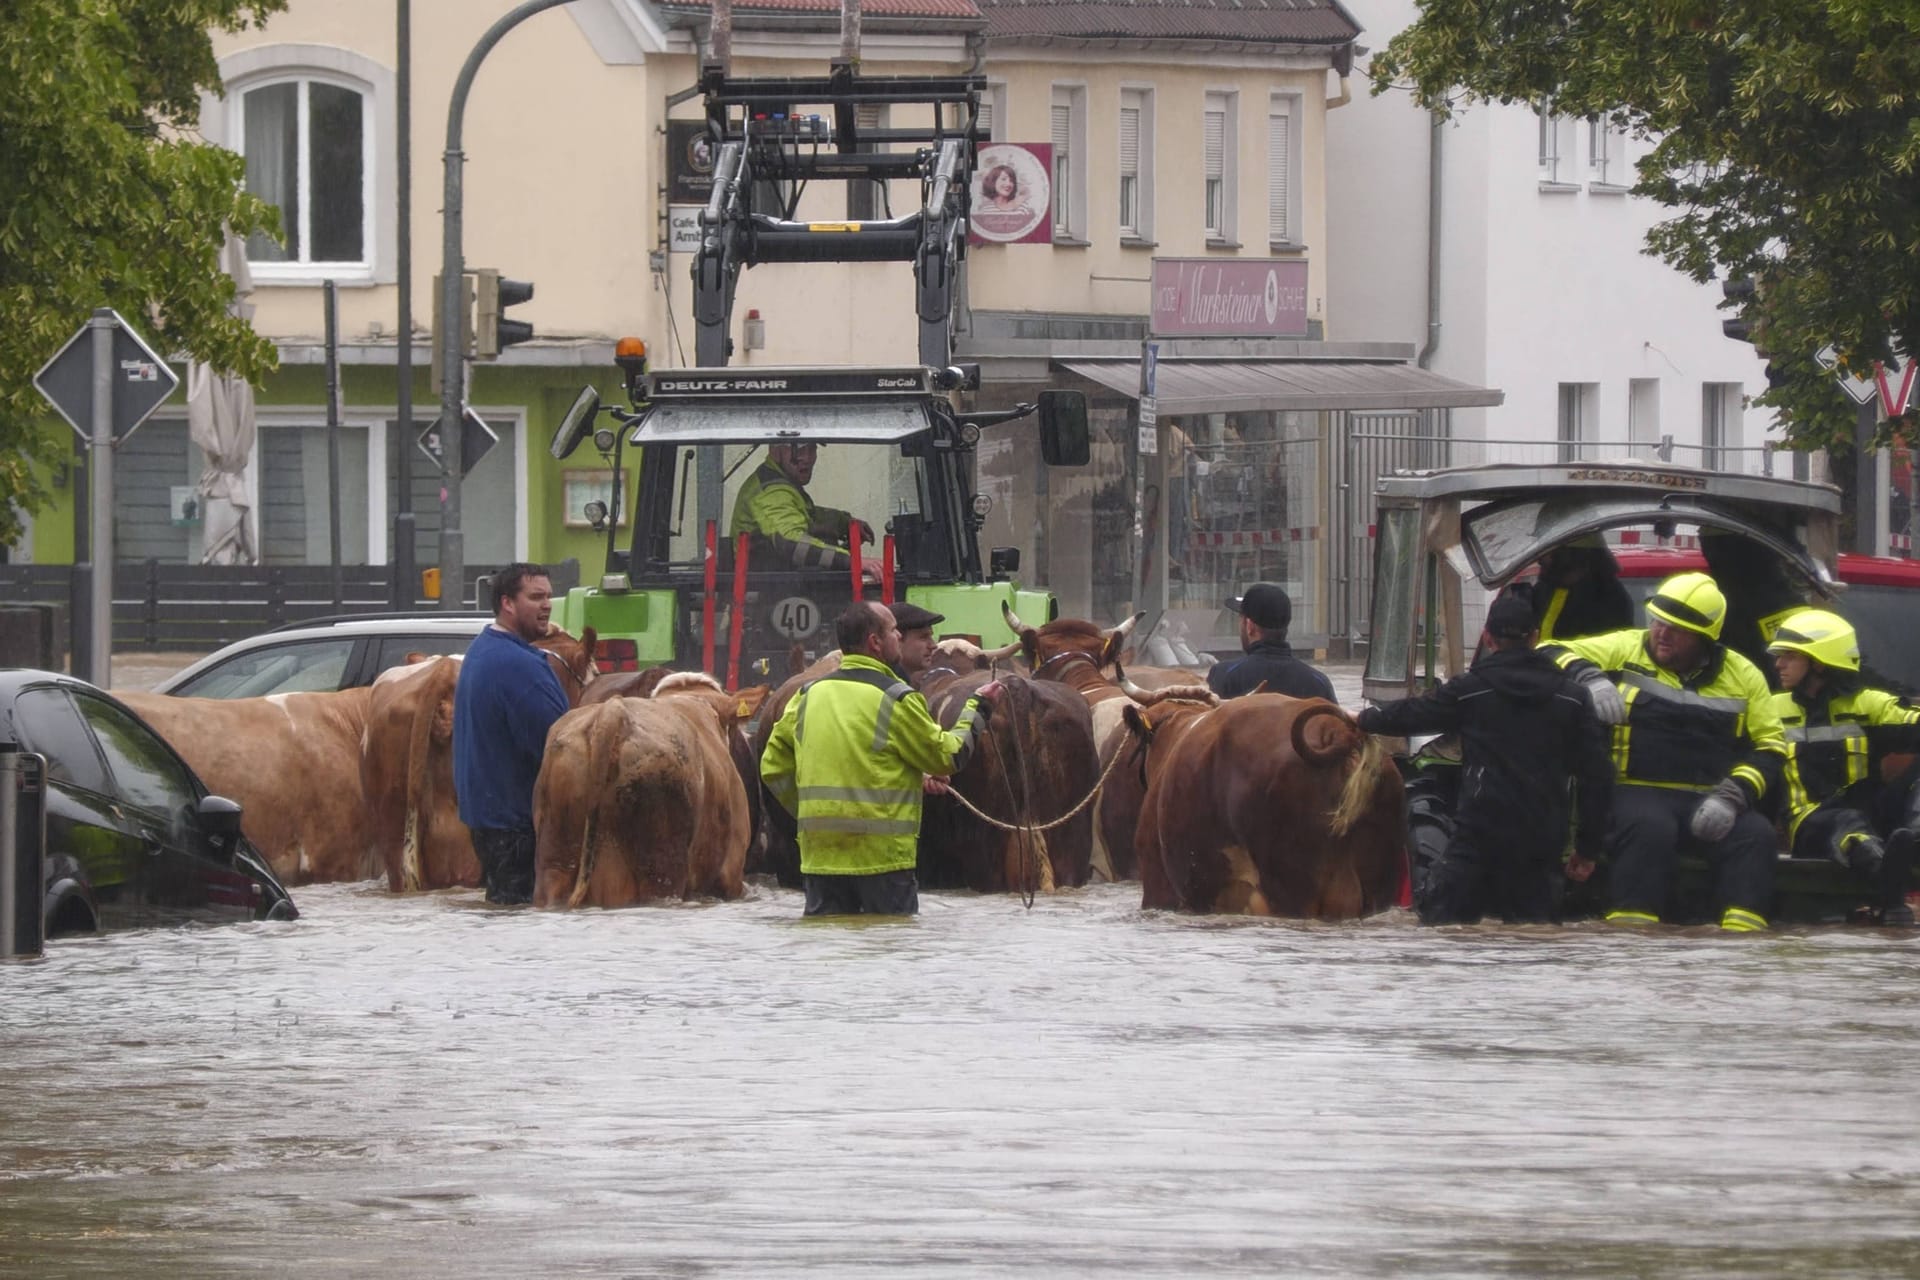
pixel 854 790
pixel 801 533
pixel 1687 733
pixel 1832 744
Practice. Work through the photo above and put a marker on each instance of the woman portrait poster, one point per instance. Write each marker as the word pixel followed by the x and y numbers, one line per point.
pixel 1011 194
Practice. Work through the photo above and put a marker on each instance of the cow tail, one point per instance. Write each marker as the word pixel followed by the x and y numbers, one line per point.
pixel 1361 753
pixel 589 842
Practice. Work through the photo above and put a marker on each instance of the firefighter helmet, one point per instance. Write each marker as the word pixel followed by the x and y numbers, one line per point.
pixel 1825 637
pixel 1692 601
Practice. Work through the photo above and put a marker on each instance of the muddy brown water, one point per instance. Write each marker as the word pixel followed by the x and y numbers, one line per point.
pixel 427 1086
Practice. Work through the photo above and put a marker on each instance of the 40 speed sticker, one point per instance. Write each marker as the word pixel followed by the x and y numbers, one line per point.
pixel 796 617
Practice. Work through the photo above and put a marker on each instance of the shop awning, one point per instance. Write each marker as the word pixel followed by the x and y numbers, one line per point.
pixel 1242 386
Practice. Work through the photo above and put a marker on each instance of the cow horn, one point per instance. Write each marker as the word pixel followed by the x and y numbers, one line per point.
pixel 1120 632
pixel 1131 689
pixel 1013 619
pixel 1005 651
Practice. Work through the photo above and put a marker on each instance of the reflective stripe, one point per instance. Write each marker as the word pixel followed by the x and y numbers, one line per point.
pixel 1631 917
pixel 786 794
pixel 1558 603
pixel 1752 777
pixel 1680 611
pixel 800 718
pixel 861 826
pixel 1826 733
pixel 861 795
pixel 888 701
pixel 1686 697
pixel 1736 920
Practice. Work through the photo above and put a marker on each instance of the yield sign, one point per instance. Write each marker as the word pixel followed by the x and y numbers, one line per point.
pixel 140 379
pixel 476 437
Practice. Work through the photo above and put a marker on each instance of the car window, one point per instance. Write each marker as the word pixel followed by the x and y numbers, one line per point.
pixel 394 649
pixel 298 666
pixel 49 725
pixel 148 774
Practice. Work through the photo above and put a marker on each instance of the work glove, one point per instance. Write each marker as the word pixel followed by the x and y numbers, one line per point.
pixel 1716 814
pixel 1604 697
pixel 866 533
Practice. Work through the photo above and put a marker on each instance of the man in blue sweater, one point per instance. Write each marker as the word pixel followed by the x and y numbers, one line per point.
pixel 507 699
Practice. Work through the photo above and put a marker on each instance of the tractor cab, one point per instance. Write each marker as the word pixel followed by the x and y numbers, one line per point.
pixel 885 463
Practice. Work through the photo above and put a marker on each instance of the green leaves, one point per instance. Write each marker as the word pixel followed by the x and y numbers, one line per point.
pixel 1788 144
pixel 105 202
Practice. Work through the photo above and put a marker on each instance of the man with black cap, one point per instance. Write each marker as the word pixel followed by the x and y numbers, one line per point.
pixel 1265 614
pixel 1525 728
pixel 916 638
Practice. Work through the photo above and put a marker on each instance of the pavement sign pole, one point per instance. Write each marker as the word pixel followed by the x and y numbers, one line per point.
pixel 100 447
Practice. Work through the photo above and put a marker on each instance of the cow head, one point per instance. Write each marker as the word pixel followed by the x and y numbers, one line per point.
pixel 1063 636
pixel 572 660
pixel 1138 723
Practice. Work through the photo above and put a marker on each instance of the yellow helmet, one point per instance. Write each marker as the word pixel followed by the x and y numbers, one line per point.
pixel 1825 637
pixel 1690 600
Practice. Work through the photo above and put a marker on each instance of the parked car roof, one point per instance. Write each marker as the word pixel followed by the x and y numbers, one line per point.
pixel 323 655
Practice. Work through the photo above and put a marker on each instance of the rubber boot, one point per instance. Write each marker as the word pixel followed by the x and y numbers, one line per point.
pixel 1895 874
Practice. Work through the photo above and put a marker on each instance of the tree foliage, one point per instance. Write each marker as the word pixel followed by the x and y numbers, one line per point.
pixel 106 199
pixel 1787 136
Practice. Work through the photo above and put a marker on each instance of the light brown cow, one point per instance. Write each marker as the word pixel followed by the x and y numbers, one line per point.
pixel 1267 805
pixel 292 760
pixel 406 765
pixel 641 800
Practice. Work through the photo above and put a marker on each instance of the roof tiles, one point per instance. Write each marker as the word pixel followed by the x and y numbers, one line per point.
pixel 1251 21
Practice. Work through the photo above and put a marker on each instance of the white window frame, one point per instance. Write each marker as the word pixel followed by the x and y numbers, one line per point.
pixel 1220 211
pixel 1608 166
pixel 223 124
pixel 1070 196
pixel 993 100
pixel 1139 99
pixel 1579 420
pixel 1284 111
pixel 1555 135
pixel 1721 406
pixel 1643 415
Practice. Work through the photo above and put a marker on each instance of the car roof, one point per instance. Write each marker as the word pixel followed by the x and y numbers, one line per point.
pixel 14 679
pixel 1852 567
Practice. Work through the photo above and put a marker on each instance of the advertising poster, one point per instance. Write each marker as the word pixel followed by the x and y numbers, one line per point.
pixel 690 156
pixel 1013 194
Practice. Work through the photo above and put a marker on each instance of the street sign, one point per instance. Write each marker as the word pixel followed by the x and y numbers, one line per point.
pixel 476 437
pixel 141 380
pixel 1149 425
pixel 1860 390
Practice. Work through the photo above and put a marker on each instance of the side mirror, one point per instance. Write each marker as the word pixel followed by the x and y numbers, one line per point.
pixel 220 819
pixel 573 427
pixel 1003 562
pixel 1063 429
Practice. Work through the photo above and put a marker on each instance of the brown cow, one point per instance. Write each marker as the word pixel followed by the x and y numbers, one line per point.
pixel 1076 653
pixel 292 760
pixel 1267 805
pixel 1034 762
pixel 406 765
pixel 640 800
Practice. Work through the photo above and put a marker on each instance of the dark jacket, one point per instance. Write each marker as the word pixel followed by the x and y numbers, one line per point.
pixel 507 699
pixel 1591 607
pixel 1274 664
pixel 1525 729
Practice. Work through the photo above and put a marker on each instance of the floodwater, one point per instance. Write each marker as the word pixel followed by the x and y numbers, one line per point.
pixel 429 1086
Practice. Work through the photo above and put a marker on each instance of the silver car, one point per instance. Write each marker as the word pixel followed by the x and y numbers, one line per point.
pixel 320 656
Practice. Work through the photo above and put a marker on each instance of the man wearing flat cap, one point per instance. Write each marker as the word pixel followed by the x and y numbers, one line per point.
pixel 1265 614
pixel 916 638
pixel 1526 731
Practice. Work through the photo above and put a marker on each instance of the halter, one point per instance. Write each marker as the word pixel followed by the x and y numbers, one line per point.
pixel 1067 656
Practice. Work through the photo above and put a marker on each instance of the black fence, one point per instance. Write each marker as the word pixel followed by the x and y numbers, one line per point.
pixel 192 607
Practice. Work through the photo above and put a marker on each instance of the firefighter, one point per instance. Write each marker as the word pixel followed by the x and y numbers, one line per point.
pixel 1526 729
pixel 1696 747
pixel 1839 729
pixel 1579 593
pixel 774 506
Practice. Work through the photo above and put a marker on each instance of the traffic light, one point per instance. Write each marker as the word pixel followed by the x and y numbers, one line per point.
pixel 1740 291
pixel 493 331
pixel 440 326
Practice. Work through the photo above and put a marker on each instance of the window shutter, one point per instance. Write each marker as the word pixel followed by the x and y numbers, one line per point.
pixel 1216 143
pixel 1279 176
pixel 1129 141
pixel 985 119
pixel 1062 129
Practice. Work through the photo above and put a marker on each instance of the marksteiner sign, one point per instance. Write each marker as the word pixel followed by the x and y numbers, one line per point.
pixel 1236 298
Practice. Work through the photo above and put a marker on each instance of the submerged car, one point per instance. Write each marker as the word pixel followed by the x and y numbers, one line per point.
pixel 322 656
pixel 1444 532
pixel 133 836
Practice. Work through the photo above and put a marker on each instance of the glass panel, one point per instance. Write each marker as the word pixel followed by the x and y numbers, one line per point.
pixel 313 666
pixel 394 649
pixel 49 725
pixel 149 775
pixel 272 148
pixel 336 134
pixel 1396 552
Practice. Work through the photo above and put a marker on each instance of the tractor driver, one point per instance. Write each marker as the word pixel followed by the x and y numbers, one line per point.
pixel 773 505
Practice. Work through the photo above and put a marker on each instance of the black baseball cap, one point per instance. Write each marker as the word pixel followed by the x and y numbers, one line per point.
pixel 1265 604
pixel 911 616
pixel 1511 617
